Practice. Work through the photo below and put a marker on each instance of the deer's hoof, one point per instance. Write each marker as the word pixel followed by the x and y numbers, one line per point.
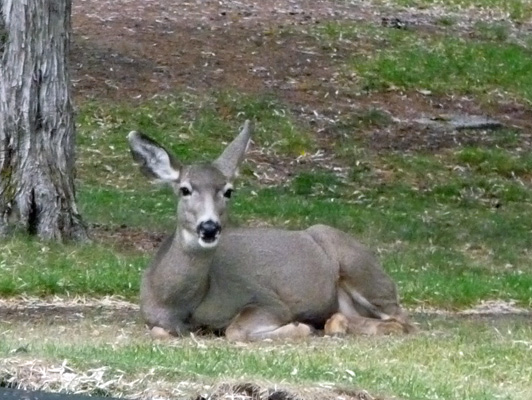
pixel 303 330
pixel 390 327
pixel 160 333
pixel 337 325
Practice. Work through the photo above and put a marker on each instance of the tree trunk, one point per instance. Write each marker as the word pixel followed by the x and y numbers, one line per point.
pixel 37 121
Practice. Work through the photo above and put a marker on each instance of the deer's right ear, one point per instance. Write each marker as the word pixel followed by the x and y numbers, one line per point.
pixel 155 162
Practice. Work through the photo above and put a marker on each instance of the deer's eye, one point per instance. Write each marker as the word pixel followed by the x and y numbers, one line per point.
pixel 228 193
pixel 185 191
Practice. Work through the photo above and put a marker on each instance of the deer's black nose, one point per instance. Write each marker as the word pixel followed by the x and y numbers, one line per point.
pixel 209 230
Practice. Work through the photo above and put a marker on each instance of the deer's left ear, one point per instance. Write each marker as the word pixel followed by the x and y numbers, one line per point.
pixel 154 160
pixel 233 154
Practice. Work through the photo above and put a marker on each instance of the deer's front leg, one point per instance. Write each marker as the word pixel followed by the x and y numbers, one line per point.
pixel 254 323
pixel 339 324
pixel 165 322
pixel 160 333
pixel 163 333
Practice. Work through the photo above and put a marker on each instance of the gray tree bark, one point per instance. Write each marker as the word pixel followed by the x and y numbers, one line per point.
pixel 37 131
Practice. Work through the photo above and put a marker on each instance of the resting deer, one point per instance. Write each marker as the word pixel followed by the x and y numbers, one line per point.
pixel 254 283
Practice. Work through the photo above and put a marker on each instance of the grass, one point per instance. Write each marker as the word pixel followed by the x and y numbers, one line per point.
pixel 31 267
pixel 458 221
pixel 472 360
pixel 517 10
pixel 496 162
pixel 192 126
pixel 443 62
pixel 448 64
pixel 149 208
pixel 498 32
pixel 451 225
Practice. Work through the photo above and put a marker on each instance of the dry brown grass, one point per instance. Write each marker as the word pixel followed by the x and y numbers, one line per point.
pixel 22 373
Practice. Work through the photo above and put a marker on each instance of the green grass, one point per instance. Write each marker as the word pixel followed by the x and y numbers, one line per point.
pixel 43 269
pixel 484 63
pixel 518 10
pixel 498 32
pixel 149 207
pixel 496 162
pixel 458 221
pixel 467 360
pixel 448 64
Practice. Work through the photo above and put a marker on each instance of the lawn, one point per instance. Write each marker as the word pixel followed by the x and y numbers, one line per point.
pixel 449 213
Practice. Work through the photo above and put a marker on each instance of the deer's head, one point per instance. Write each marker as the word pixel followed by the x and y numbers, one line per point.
pixel 204 189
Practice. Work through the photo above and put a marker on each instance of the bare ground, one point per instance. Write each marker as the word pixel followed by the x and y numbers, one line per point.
pixel 129 50
pixel 113 309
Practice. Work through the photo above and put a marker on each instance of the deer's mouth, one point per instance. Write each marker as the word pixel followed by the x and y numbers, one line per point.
pixel 208 243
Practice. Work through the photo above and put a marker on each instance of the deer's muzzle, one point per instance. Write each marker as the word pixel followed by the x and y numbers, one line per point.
pixel 209 231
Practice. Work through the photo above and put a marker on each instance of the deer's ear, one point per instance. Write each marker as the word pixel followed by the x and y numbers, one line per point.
pixel 233 154
pixel 154 160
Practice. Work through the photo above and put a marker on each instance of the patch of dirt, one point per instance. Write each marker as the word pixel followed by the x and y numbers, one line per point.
pixel 138 48
pixel 495 307
pixel 113 308
pixel 489 311
pixel 67 310
pixel 127 50
pixel 125 238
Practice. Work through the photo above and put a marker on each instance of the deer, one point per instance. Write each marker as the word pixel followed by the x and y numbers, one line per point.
pixel 254 283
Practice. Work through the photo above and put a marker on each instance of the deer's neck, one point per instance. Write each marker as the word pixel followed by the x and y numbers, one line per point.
pixel 182 275
pixel 192 256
